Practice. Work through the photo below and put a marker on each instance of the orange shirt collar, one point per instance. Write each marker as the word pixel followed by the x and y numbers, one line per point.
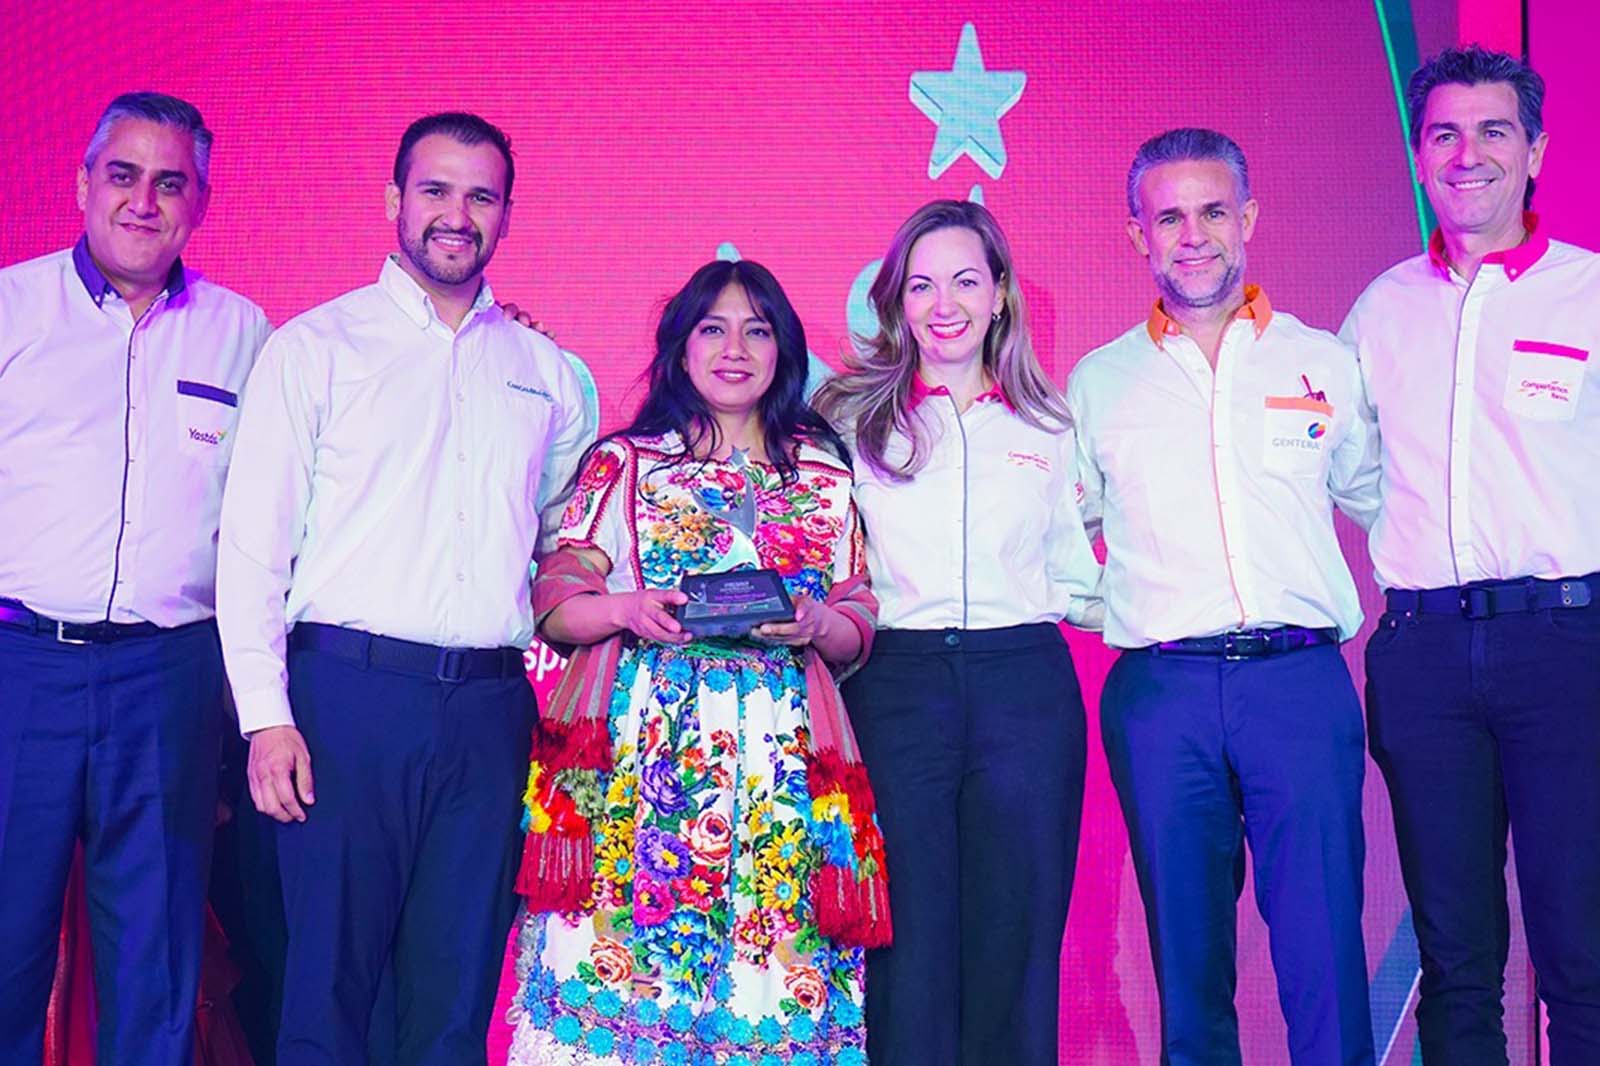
pixel 1256 307
pixel 1515 261
pixel 921 390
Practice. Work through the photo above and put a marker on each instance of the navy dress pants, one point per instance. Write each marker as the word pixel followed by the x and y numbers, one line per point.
pixel 1208 754
pixel 1479 726
pixel 974 741
pixel 408 856
pixel 116 744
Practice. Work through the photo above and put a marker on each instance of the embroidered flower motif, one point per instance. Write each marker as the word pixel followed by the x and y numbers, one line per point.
pixel 602 469
pixel 807 987
pixel 613 962
pixel 661 787
pixel 662 854
pixel 786 847
pixel 652 901
pixel 710 838
pixel 753 937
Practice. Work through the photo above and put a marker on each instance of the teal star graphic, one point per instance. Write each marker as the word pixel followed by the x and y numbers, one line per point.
pixel 966 103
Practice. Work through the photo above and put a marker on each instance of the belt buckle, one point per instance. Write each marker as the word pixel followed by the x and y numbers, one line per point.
pixel 1234 644
pixel 451 667
pixel 1475 604
pixel 62 638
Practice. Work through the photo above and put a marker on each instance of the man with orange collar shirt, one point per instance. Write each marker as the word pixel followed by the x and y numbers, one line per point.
pixel 1213 441
pixel 1484 674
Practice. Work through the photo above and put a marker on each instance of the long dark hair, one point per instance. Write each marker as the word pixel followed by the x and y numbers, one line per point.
pixel 671 402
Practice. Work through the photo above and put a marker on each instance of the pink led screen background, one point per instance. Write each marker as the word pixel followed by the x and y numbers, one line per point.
pixel 648 137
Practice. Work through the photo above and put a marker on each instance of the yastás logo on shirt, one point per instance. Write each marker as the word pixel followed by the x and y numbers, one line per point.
pixel 212 437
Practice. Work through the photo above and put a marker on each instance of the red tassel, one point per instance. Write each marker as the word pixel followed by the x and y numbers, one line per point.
pixel 850 911
pixel 557 871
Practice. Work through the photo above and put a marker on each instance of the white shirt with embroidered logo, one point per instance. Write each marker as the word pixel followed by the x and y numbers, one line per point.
pixel 987 534
pixel 1490 414
pixel 394 477
pixel 114 439
pixel 1214 491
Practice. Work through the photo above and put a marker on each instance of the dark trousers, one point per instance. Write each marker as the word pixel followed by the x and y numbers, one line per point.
pixel 408 856
pixel 975 744
pixel 1477 726
pixel 117 744
pixel 1206 755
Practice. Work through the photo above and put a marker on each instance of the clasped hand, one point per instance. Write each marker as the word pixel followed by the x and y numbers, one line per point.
pixel 811 620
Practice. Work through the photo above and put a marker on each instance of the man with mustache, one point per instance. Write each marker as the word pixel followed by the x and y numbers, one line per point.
pixel 120 371
pixel 403 454
pixel 1484 674
pixel 1213 439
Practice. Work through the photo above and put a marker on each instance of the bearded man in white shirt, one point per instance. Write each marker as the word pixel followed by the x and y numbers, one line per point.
pixel 1483 690
pixel 1213 439
pixel 120 372
pixel 406 448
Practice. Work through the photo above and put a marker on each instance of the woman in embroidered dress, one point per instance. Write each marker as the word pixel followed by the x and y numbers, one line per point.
pixel 969 712
pixel 703 866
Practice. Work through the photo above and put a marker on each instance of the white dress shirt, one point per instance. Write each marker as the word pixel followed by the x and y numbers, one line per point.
pixel 987 534
pixel 391 476
pixel 114 439
pixel 1213 490
pixel 1490 414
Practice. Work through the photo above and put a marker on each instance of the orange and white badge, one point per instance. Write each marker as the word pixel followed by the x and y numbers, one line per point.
pixel 1543 380
pixel 1295 434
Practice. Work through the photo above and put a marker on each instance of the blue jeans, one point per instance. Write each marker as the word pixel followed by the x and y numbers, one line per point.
pixel 1479 726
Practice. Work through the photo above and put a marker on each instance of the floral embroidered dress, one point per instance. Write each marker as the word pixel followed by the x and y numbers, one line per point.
pixel 699 945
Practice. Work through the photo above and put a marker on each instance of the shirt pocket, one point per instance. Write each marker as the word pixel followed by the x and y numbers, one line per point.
pixel 1543 380
pixel 1294 438
pixel 207 415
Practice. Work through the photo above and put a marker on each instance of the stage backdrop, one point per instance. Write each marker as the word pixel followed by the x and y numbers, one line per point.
pixel 650 138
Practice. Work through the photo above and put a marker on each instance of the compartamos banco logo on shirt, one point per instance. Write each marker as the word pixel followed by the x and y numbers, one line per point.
pixel 529 390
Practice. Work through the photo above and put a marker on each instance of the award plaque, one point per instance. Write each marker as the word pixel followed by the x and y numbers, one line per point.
pixel 731 604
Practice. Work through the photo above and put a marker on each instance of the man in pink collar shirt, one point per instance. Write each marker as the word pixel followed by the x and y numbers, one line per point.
pixel 1484 674
pixel 120 376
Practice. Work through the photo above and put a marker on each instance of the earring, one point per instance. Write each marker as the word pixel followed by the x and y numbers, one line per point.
pixel 995 317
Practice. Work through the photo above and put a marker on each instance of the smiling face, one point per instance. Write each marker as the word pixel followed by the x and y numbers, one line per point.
pixel 1192 226
pixel 731 356
pixel 950 296
pixel 452 211
pixel 1474 159
pixel 141 199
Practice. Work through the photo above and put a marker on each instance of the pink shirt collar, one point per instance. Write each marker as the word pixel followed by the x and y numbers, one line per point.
pixel 1515 261
pixel 921 390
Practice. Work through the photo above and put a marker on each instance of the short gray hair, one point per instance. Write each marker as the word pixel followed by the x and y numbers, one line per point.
pixel 1188 143
pixel 161 109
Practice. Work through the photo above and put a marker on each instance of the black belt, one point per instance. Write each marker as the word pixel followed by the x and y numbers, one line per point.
pixel 1248 643
pixel 1485 599
pixel 16 616
pixel 407 656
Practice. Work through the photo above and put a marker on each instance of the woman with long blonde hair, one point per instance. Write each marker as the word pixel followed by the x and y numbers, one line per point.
pixel 968 712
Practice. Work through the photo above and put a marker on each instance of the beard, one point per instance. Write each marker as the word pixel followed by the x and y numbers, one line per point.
pixel 1174 292
pixel 421 254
